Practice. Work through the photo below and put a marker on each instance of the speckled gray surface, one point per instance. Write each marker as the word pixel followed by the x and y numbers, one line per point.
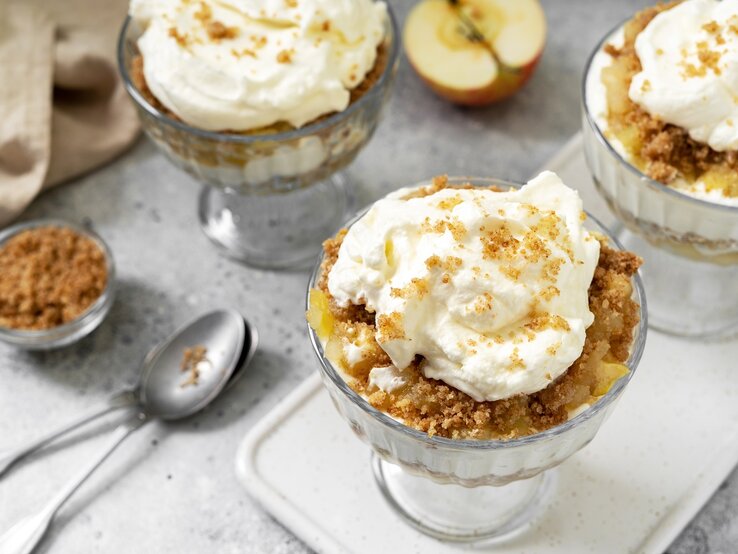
pixel 172 488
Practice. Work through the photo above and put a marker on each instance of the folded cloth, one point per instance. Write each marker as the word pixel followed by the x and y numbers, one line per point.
pixel 63 108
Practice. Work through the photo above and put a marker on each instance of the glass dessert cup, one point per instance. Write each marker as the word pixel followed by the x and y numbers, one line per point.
pixel 268 199
pixel 689 245
pixel 469 490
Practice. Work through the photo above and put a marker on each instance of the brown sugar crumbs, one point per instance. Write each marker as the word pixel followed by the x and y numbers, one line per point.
pixel 416 288
pixel 49 276
pixel 390 326
pixel 483 303
pixel 711 27
pixel 205 13
pixel 285 56
pixel 453 225
pixel 450 263
pixel 192 359
pixel 179 37
pixel 709 60
pixel 436 408
pixel 244 52
pixel 217 31
pixel 499 244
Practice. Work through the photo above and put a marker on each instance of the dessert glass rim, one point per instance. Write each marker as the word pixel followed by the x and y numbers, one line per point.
pixel 633 169
pixel 307 130
pixel 636 351
pixel 40 334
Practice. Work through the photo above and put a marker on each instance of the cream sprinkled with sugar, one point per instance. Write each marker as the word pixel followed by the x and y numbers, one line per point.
pixel 243 64
pixel 490 288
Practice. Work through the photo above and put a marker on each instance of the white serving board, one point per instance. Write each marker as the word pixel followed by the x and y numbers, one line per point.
pixel 672 439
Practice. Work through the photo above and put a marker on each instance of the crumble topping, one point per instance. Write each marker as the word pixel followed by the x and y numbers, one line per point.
pixel 192 359
pixel 390 326
pixel 285 56
pixel 416 288
pixel 455 227
pixel 205 13
pixel 243 52
pixel 449 263
pixel 449 204
pixel 182 39
pixel 709 60
pixel 214 29
pixel 217 31
pixel 259 41
pixel 483 303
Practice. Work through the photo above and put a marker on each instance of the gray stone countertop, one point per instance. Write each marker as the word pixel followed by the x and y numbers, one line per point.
pixel 172 488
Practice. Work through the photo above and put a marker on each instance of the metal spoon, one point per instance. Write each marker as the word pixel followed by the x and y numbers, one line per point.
pixel 123 399
pixel 160 394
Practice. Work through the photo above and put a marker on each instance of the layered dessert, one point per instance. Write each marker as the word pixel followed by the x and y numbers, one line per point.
pixel 663 91
pixel 243 71
pixel 476 313
pixel 257 67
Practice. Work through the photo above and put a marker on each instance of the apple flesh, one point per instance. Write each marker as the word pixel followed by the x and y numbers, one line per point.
pixel 475 52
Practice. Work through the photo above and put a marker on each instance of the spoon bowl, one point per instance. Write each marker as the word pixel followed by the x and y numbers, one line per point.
pixel 164 391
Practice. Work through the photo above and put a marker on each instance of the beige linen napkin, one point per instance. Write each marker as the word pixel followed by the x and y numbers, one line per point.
pixel 63 108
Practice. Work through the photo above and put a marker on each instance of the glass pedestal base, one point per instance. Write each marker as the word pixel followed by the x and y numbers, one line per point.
pixel 686 297
pixel 462 514
pixel 274 231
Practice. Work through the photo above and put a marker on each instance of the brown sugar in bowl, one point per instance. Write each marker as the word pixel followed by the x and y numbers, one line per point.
pixel 57 283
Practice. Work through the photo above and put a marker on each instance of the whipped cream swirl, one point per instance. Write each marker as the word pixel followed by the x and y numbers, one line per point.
pixel 689 56
pixel 243 64
pixel 490 288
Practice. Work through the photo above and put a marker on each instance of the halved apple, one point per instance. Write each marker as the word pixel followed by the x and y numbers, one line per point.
pixel 475 52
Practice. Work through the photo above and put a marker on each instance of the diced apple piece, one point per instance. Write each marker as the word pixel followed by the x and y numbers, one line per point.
pixel 319 315
pixel 608 373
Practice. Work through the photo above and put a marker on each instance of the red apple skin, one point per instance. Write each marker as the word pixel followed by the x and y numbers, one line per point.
pixel 505 85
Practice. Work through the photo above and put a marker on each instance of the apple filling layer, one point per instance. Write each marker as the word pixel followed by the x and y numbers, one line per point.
pixel 663 151
pixel 432 406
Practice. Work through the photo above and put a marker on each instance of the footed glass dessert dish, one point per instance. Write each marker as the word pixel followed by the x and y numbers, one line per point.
pixel 469 490
pixel 689 244
pixel 268 199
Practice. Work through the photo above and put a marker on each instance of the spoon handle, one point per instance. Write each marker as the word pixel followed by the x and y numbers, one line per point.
pixel 23 537
pixel 120 400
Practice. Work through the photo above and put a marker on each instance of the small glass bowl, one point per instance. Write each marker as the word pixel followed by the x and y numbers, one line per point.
pixel 85 323
pixel 469 490
pixel 690 246
pixel 268 199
